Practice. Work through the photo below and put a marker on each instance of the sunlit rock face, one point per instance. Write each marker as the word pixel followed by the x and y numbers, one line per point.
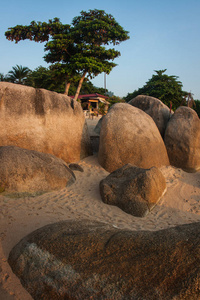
pixel 44 121
pixel 129 135
pixel 182 139
pixel 155 108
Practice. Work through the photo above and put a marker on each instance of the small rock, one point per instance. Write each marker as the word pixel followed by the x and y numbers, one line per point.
pixel 76 167
pixel 136 191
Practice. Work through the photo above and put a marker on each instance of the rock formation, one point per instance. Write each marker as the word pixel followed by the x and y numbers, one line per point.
pixel 182 139
pixel 129 135
pixel 136 191
pixel 44 121
pixel 93 260
pixel 23 170
pixel 155 108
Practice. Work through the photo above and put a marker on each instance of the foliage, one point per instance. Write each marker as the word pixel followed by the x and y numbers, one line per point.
pixel 18 74
pixel 3 77
pixel 97 28
pixel 197 107
pixel 45 78
pixel 115 99
pixel 76 51
pixel 188 100
pixel 36 31
pixel 165 88
pixel 89 88
pixel 101 109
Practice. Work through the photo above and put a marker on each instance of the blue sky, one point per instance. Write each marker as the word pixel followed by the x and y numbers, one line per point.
pixel 164 34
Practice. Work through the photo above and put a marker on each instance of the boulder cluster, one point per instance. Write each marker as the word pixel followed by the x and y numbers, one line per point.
pixel 135 140
pixel 41 132
pixel 39 127
pixel 146 133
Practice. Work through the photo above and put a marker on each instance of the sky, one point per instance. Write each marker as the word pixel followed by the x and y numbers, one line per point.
pixel 164 34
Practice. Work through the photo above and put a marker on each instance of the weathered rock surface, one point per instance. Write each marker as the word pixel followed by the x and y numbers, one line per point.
pixel 155 108
pixel 136 191
pixel 92 260
pixel 76 167
pixel 182 139
pixel 44 121
pixel 23 170
pixel 129 135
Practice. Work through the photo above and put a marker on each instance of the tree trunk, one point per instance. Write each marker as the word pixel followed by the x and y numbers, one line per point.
pixel 79 86
pixel 67 86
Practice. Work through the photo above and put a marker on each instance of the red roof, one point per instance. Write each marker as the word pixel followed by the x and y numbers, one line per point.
pixel 90 95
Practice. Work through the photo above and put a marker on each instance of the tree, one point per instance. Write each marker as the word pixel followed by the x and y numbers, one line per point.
pixel 189 100
pixel 2 77
pixel 18 74
pixel 115 99
pixel 77 51
pixel 45 78
pixel 197 107
pixel 165 88
pixel 42 77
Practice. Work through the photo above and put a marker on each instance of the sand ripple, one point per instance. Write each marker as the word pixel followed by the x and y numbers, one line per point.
pixel 20 216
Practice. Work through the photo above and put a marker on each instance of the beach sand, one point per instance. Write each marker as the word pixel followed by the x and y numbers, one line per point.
pixel 21 216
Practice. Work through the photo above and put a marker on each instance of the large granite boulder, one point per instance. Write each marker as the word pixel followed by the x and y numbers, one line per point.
pixel 23 170
pixel 129 135
pixel 136 191
pixel 182 139
pixel 92 260
pixel 155 108
pixel 44 121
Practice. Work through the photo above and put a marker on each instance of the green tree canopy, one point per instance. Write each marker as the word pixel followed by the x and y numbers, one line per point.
pixel 165 88
pixel 197 107
pixel 115 99
pixel 76 51
pixel 42 77
pixel 45 78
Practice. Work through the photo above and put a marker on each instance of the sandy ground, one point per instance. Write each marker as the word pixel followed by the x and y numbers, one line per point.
pixel 21 216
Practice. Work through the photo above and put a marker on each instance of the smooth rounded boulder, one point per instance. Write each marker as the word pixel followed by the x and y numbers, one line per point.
pixel 92 260
pixel 136 191
pixel 23 170
pixel 44 121
pixel 129 135
pixel 155 108
pixel 182 139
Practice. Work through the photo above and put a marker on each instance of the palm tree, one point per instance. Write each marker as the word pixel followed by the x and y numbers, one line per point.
pixel 189 100
pixel 18 74
pixel 2 77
